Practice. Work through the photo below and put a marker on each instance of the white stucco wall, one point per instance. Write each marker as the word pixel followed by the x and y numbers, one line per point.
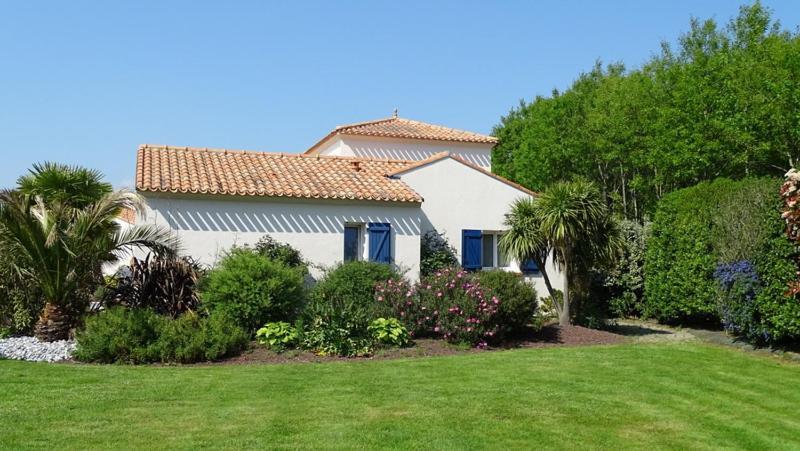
pixel 208 226
pixel 458 197
pixel 405 149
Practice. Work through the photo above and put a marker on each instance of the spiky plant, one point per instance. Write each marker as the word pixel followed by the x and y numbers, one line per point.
pixel 60 247
pixel 569 221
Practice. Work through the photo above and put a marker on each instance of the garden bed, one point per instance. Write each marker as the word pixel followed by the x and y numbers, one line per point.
pixel 549 336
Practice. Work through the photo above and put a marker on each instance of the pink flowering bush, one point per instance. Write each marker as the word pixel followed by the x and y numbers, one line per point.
pixel 449 303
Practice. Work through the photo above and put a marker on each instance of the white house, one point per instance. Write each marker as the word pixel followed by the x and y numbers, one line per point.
pixel 365 191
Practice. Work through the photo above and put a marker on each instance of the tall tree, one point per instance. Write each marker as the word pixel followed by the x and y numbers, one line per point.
pixel 724 102
pixel 570 222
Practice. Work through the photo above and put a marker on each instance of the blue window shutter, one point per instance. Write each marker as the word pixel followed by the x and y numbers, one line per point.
pixel 380 242
pixel 471 249
pixel 529 265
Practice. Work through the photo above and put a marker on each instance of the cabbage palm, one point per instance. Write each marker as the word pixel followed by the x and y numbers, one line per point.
pixel 73 185
pixel 569 221
pixel 60 248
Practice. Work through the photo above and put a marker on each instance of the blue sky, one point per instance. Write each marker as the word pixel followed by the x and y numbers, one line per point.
pixel 87 82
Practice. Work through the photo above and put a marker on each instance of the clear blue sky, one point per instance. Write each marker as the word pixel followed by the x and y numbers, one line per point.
pixel 85 83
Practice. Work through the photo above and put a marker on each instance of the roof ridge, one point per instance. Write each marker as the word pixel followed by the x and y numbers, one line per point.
pixel 270 154
pixel 363 123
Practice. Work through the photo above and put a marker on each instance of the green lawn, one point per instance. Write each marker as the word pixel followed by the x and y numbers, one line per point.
pixel 637 396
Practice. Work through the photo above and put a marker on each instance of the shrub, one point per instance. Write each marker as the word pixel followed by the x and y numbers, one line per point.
pixel 622 286
pixel 450 303
pixel 192 338
pixel 280 252
pixel 741 252
pixel 278 336
pixel 167 285
pixel 337 335
pixel 738 284
pixel 517 299
pixel 252 289
pixel 20 300
pixel 353 283
pixel 389 332
pixel 693 230
pixel 436 253
pixel 342 307
pixel 120 335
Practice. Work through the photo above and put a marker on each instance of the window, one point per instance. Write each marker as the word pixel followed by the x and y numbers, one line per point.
pixel 487 251
pixel 481 250
pixel 352 243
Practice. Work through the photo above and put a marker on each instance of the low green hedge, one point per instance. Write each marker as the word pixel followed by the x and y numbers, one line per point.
pixel 121 335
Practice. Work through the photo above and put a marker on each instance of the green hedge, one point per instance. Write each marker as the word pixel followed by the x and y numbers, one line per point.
pixel 699 229
pixel 121 335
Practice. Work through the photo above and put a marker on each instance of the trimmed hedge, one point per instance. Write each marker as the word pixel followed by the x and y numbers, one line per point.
pixel 713 227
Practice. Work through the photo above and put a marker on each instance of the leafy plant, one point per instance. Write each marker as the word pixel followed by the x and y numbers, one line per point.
pixel 570 221
pixel 121 335
pixel 721 103
pixel 278 336
pixel 337 335
pixel 280 252
pixel 60 245
pixel 436 253
pixel 166 284
pixel 517 299
pixel 389 331
pixel 252 290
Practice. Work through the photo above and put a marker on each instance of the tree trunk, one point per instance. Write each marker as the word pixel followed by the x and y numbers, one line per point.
pixel 563 317
pixel 53 324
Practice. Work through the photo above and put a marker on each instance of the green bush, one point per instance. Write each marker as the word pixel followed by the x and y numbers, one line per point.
pixel 680 258
pixel 622 286
pixel 342 307
pixel 711 228
pixel 517 299
pixel 20 300
pixel 120 335
pixel 435 253
pixel 252 290
pixel 278 336
pixel 389 331
pixel 337 334
pixel 280 252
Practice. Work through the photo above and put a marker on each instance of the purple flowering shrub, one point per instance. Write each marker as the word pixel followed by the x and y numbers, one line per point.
pixel 450 303
pixel 738 286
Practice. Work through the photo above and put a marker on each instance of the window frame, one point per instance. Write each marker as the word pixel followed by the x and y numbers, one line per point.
pixel 495 250
pixel 359 241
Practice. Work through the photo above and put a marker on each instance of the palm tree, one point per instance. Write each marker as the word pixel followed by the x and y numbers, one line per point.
pixel 569 220
pixel 60 247
pixel 73 185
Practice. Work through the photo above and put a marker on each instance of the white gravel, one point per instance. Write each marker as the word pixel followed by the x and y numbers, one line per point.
pixel 29 348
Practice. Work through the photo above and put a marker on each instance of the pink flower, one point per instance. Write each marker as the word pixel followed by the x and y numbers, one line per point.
pixel 380 298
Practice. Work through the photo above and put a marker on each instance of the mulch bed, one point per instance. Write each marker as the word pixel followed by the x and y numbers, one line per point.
pixel 549 336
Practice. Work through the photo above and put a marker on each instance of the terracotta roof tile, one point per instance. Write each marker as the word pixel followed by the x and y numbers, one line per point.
pixel 396 127
pixel 216 171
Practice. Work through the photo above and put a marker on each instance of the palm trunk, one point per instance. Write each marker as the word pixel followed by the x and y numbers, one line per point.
pixel 563 317
pixel 53 324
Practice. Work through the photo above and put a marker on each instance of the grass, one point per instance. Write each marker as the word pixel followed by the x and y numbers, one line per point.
pixel 678 396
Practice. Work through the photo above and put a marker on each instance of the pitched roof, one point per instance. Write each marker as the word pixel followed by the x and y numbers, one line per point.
pixel 397 127
pixel 442 155
pixel 169 169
